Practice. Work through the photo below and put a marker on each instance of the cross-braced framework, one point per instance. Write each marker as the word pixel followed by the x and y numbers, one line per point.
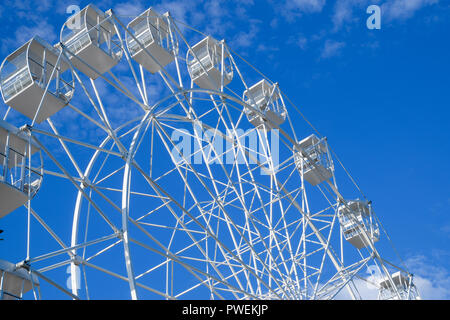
pixel 174 171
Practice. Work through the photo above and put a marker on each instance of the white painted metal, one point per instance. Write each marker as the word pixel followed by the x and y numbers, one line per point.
pixel 205 60
pixel 152 45
pixel 15 282
pixel 10 199
pixel 312 156
pixel 267 106
pixel 93 45
pixel 17 182
pixel 154 221
pixel 356 218
pixel 25 75
pixel 402 284
pixel 17 140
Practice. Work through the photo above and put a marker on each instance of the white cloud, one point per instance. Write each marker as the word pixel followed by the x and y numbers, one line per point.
pixel 299 40
pixel 302 42
pixel 433 281
pixel 292 9
pixel 332 48
pixel 218 18
pixel 178 9
pixel 404 9
pixel 344 11
pixel 211 17
pixel 307 5
pixel 365 291
pixel 446 229
pixel 25 20
pixel 348 11
pixel 215 17
pixel 246 38
pixel 129 9
pixel 42 29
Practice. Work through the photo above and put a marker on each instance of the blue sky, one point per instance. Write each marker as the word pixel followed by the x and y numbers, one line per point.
pixel 380 96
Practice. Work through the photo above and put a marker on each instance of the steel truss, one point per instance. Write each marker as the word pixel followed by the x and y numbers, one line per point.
pixel 151 223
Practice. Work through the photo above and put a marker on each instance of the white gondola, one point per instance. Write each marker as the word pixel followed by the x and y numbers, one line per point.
pixel 18 176
pixel 153 33
pixel 403 286
pixel 358 224
pixel 91 36
pixel 14 283
pixel 25 75
pixel 312 157
pixel 206 60
pixel 265 98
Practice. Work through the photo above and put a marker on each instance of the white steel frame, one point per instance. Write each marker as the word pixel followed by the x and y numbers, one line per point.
pixel 229 232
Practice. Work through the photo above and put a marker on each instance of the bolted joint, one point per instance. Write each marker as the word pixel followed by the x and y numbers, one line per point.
pixel 119 234
pixel 86 182
pixel 25 264
pixel 26 128
pixel 76 260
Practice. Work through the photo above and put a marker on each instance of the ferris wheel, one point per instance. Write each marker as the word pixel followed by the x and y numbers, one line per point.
pixel 147 160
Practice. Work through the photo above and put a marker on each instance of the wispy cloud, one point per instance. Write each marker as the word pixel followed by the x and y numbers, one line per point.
pixel 331 48
pixel 433 281
pixel 42 29
pixel 291 9
pixel 346 12
pixel 178 9
pixel 246 38
pixel 299 40
pixel 26 19
pixel 343 12
pixel 302 42
pixel 404 9
pixel 307 6
pixel 446 229
pixel 129 9
pixel 24 33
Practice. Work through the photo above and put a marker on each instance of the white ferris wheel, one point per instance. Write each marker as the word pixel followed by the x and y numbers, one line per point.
pixel 149 160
